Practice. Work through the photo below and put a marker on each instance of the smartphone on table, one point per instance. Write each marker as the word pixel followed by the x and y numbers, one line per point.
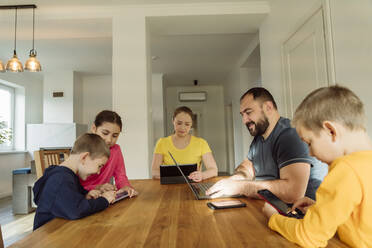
pixel 226 204
pixel 282 207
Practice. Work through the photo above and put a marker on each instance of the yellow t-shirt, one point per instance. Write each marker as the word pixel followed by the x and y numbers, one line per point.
pixel 343 204
pixel 191 154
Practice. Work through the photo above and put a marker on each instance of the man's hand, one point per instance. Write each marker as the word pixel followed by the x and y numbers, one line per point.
pixel 196 176
pixel 131 192
pixel 110 196
pixel 93 194
pixel 226 187
pixel 303 204
pixel 105 187
pixel 268 210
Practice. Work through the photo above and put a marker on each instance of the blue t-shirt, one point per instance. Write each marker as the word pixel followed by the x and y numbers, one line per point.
pixel 281 148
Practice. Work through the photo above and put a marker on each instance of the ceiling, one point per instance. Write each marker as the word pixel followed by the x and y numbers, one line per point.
pixel 186 47
pixel 48 3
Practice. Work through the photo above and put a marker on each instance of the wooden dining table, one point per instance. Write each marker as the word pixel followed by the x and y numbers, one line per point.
pixel 163 216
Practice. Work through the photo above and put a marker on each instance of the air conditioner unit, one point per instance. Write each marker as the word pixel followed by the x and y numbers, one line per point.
pixel 192 96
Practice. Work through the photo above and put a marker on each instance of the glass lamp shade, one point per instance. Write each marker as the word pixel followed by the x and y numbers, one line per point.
pixel 32 64
pixel 2 67
pixel 14 65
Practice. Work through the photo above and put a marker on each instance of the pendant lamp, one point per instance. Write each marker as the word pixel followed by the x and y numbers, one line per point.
pixel 32 64
pixel 14 65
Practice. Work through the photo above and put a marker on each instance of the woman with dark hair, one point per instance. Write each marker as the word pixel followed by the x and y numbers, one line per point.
pixel 108 125
pixel 186 148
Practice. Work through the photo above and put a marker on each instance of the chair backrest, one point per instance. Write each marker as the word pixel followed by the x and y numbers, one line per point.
pixel 1 239
pixel 46 157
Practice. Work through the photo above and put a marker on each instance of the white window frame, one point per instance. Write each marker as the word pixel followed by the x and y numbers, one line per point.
pixel 12 116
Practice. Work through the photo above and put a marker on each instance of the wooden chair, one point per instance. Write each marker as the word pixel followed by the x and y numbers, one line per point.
pixel 1 239
pixel 46 157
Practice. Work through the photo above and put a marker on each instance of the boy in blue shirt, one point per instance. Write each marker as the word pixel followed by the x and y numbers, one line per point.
pixel 58 193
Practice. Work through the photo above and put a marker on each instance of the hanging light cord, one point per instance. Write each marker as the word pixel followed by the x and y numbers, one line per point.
pixel 15 32
pixel 33 29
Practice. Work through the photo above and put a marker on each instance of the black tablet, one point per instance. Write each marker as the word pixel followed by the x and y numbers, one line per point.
pixel 170 174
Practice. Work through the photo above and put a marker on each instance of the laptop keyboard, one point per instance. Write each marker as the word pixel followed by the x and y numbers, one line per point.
pixel 202 187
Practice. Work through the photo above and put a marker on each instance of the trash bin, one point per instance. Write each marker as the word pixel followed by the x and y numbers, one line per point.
pixel 22 184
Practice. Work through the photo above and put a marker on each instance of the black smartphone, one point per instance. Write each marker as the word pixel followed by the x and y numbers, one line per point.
pixel 282 207
pixel 226 204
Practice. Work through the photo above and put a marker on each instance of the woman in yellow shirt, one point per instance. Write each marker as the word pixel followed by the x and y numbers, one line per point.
pixel 185 148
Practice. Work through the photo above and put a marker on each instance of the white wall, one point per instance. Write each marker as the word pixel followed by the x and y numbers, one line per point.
pixel 238 82
pixel 33 97
pixel 78 98
pixel 233 92
pixel 131 91
pixel 352 40
pixel 212 124
pixel 58 109
pixel 282 21
pixel 97 96
pixel 351 24
pixel 158 106
pixel 33 85
pixel 249 78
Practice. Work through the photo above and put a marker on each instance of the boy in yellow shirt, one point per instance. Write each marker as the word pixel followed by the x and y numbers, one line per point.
pixel 331 121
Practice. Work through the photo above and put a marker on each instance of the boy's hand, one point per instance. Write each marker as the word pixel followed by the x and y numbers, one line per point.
pixel 196 176
pixel 303 204
pixel 93 194
pixel 106 187
pixel 110 196
pixel 268 210
pixel 131 192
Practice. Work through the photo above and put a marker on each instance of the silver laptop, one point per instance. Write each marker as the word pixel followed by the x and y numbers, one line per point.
pixel 199 189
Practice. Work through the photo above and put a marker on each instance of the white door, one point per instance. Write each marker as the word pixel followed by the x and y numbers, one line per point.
pixel 230 139
pixel 305 62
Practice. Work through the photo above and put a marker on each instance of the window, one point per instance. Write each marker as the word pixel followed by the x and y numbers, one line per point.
pixel 6 117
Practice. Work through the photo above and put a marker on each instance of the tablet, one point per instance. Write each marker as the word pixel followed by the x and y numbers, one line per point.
pixel 121 196
pixel 170 174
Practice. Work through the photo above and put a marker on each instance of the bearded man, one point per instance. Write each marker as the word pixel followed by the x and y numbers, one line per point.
pixel 278 160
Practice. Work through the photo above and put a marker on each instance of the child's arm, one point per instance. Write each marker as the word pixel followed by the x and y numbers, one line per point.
pixel 72 204
pixel 120 174
pixel 336 198
pixel 303 204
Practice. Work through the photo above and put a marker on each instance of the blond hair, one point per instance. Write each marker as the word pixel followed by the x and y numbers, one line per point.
pixel 334 103
pixel 91 143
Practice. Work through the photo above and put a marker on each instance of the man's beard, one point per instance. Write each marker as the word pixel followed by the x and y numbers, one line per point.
pixel 259 128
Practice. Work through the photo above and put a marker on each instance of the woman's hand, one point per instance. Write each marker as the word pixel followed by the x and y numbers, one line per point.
pixel 105 187
pixel 196 176
pixel 268 210
pixel 303 204
pixel 131 191
pixel 93 194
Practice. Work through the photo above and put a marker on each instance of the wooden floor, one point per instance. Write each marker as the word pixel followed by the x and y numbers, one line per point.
pixel 14 227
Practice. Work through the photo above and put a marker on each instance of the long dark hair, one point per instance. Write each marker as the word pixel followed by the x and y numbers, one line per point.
pixel 108 116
